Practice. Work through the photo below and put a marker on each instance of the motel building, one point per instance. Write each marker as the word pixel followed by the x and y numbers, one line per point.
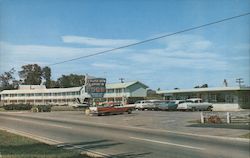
pixel 127 92
pixel 223 98
pixel 39 94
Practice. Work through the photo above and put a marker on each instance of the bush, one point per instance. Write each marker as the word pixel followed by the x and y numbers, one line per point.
pixel 214 119
pixel 17 107
pixel 44 108
pixel 63 108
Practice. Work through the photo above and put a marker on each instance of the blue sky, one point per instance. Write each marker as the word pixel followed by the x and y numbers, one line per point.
pixel 46 32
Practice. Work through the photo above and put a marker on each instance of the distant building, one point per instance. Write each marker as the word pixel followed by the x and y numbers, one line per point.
pixel 223 98
pixel 39 94
pixel 126 92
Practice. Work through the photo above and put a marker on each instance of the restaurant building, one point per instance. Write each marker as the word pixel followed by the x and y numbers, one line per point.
pixel 223 98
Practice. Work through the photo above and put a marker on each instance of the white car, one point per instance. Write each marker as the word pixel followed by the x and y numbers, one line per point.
pixel 195 104
pixel 144 104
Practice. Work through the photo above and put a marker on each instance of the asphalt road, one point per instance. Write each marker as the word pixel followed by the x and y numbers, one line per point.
pixel 124 141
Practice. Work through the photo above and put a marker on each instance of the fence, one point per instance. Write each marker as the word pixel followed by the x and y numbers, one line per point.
pixel 225 117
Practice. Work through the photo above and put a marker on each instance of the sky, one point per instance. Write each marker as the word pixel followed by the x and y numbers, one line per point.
pixel 46 32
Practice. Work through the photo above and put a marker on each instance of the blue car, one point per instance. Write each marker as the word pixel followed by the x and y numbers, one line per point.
pixel 168 105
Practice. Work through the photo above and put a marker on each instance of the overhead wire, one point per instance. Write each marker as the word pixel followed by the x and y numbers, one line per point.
pixel 152 39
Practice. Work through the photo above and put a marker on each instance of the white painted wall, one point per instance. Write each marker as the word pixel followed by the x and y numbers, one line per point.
pixel 226 107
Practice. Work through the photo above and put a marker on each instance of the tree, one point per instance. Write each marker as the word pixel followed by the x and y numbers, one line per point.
pixel 7 80
pixel 204 86
pixel 46 74
pixel 31 74
pixel 71 80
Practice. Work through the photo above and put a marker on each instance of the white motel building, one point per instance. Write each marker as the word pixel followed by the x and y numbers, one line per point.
pixel 38 94
pixel 223 98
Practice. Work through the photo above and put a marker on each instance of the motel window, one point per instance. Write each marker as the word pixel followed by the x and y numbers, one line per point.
pixel 47 94
pixel 38 94
pixel 21 95
pixel 30 94
pixel 118 90
pixel 64 94
pixel 110 90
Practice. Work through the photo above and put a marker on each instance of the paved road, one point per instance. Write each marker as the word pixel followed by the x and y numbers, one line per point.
pixel 123 141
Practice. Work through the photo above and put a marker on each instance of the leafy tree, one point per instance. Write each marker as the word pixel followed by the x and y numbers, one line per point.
pixel 54 84
pixel 46 74
pixel 72 80
pixel 31 74
pixel 7 80
pixel 204 86
pixel 151 94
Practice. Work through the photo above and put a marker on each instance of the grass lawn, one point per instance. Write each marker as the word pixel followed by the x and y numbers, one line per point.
pixel 14 146
pixel 246 136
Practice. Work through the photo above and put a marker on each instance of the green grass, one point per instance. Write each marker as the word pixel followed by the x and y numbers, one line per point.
pixel 246 135
pixel 14 146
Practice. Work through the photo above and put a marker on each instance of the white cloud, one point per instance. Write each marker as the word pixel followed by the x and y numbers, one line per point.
pixel 97 42
pixel 109 65
pixel 183 51
pixel 12 55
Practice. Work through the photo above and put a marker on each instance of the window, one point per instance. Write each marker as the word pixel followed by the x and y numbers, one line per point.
pixel 38 94
pixel 110 90
pixel 118 90
pixel 47 94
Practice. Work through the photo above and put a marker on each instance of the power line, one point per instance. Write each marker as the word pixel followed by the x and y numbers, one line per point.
pixel 152 39
pixel 239 81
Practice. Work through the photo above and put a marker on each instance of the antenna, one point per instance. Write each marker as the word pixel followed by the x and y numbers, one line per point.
pixel 122 80
pixel 239 81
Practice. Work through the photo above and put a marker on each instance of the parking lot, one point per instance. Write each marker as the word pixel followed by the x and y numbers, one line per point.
pixel 162 120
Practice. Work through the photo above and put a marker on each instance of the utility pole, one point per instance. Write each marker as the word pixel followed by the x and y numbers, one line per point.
pixel 239 81
pixel 122 80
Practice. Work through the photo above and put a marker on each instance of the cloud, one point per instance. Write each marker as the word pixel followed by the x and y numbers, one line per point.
pixel 108 65
pixel 182 51
pixel 97 42
pixel 12 55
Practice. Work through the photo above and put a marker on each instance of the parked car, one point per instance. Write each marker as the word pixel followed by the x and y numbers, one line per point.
pixel 110 110
pixel 168 105
pixel 144 104
pixel 195 104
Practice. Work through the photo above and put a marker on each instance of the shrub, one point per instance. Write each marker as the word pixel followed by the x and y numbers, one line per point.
pixel 214 119
pixel 17 107
pixel 44 108
pixel 63 108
